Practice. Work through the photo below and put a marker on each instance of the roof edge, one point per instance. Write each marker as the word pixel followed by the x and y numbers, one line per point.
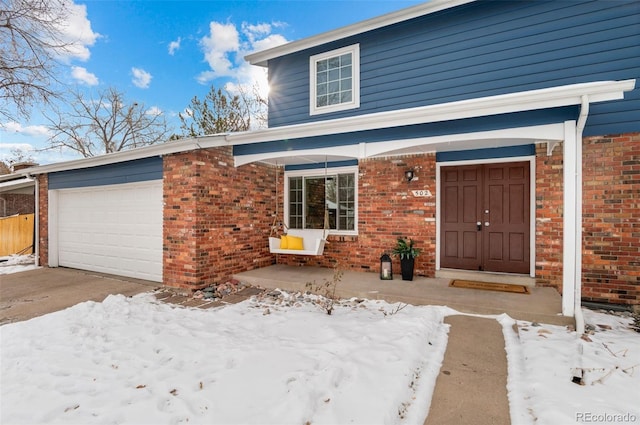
pixel 166 148
pixel 262 57
pixel 598 91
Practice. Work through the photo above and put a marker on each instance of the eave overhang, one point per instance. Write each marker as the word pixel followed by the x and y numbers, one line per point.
pixel 166 148
pixel 16 184
pixel 261 58
pixel 492 105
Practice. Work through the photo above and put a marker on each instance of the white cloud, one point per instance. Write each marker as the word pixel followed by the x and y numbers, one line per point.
pixel 7 150
pixel 20 146
pixel 141 78
pixel 225 47
pixel 154 110
pixel 30 130
pixel 218 47
pixel 174 45
pixel 271 40
pixel 83 76
pixel 76 32
pixel 205 76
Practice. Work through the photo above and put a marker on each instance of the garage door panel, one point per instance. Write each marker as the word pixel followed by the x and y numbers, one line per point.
pixel 112 229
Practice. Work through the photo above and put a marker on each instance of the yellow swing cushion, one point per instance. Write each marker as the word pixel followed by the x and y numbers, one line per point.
pixel 291 242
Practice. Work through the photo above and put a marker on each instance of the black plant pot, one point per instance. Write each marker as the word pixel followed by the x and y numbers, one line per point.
pixel 406 265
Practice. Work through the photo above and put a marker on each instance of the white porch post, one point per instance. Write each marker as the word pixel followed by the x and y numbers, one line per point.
pixel 569 237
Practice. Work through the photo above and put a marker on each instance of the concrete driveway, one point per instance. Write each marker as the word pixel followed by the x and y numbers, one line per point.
pixel 33 293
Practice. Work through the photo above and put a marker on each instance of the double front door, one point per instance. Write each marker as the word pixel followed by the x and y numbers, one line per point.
pixel 485 218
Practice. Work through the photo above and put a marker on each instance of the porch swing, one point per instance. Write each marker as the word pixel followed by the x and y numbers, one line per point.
pixel 299 241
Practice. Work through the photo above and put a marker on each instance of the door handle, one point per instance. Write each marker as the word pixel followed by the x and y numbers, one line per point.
pixel 479 225
pixel 486 224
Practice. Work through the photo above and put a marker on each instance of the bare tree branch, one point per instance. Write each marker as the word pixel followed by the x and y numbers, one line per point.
pixel 105 125
pixel 30 40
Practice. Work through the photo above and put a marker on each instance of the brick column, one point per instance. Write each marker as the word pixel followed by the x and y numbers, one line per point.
pixel 216 217
pixel 43 219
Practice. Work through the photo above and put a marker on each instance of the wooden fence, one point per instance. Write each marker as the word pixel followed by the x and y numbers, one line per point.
pixel 16 234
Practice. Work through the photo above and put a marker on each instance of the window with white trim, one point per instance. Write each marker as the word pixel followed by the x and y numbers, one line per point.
pixel 335 80
pixel 311 197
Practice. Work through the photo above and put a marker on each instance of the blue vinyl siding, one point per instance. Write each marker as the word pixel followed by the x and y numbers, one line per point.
pixel 505 152
pixel 123 172
pixel 321 165
pixel 482 49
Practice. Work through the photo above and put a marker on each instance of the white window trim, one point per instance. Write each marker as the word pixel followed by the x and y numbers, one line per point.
pixel 319 172
pixel 355 102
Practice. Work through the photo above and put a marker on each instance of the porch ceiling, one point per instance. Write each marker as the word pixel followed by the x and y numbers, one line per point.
pixel 447 143
pixel 532 100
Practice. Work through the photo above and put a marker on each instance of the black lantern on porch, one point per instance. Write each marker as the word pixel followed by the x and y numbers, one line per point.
pixel 386 271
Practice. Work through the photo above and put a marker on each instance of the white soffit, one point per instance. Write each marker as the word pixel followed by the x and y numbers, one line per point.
pixel 513 102
pixel 12 185
pixel 261 58
pixel 552 97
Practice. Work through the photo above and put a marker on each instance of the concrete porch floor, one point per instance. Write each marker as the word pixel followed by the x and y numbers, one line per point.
pixel 542 305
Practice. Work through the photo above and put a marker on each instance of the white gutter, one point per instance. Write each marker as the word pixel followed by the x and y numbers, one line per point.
pixel 597 91
pixel 133 154
pixel 582 120
pixel 261 58
pixel 491 105
pixel 16 183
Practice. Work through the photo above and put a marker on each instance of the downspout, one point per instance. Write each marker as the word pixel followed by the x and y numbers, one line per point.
pixel 577 297
pixel 36 242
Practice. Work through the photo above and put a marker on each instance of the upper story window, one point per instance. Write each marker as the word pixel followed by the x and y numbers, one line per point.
pixel 335 80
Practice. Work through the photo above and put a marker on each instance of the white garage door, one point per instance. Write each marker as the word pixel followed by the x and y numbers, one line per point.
pixel 113 229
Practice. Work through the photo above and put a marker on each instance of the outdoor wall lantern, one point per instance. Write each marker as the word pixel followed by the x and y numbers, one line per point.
pixel 409 175
pixel 386 271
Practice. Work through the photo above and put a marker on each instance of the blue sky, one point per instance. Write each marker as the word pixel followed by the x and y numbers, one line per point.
pixel 162 53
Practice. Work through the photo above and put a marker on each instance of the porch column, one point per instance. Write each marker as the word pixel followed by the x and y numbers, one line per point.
pixel 569 235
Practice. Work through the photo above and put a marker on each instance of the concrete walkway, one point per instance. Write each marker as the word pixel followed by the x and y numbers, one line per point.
pixel 472 386
pixel 543 305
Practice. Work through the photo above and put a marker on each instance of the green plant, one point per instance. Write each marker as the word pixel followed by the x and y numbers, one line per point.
pixel 405 249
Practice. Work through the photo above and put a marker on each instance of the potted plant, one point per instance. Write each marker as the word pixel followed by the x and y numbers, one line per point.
pixel 407 253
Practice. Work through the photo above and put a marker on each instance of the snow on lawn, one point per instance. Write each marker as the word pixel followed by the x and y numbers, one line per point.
pixel 17 263
pixel 545 359
pixel 136 360
pixel 284 360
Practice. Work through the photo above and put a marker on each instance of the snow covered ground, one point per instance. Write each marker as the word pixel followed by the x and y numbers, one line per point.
pixel 17 263
pixel 543 363
pixel 283 360
pixel 136 360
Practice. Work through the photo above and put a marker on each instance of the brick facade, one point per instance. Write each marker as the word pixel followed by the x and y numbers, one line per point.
pixel 386 210
pixel 43 217
pixel 611 214
pixel 16 203
pixel 549 216
pixel 216 217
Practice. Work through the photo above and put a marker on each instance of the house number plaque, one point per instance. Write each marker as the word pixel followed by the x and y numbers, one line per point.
pixel 422 193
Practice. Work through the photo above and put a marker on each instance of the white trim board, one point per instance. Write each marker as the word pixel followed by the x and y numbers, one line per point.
pixel 262 57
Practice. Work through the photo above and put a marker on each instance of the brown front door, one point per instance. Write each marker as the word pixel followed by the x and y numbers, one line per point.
pixel 484 221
